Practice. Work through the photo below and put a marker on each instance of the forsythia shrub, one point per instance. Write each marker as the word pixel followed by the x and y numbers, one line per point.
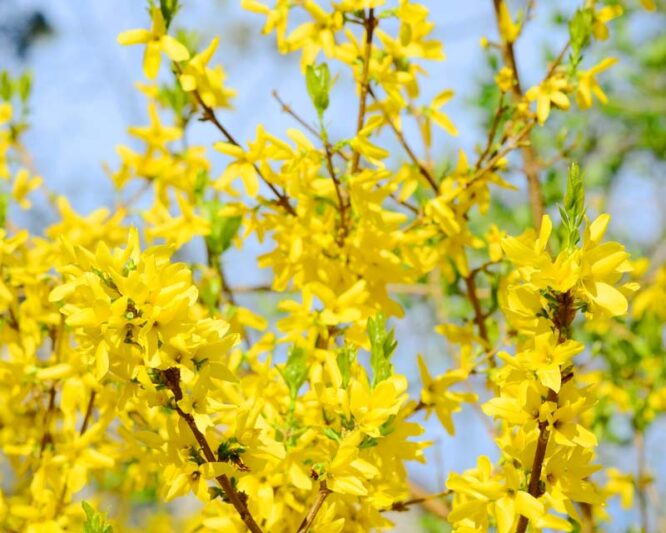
pixel 129 376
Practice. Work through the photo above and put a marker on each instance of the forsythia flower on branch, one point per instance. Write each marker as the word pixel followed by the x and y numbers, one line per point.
pixel 135 374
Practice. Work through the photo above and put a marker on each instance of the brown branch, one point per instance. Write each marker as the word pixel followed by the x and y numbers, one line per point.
pixel 562 320
pixel 209 115
pixel 479 319
pixel 238 500
pixel 287 109
pixel 492 131
pixel 323 493
pixel 403 505
pixel 369 23
pixel 328 150
pixel 409 206
pixel 47 438
pixel 530 163
pixel 403 142
pixel 88 415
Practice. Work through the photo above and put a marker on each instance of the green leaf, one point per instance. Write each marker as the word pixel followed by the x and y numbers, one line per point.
pixel 346 356
pixel 295 371
pixel 332 434
pixel 4 206
pixel 222 229
pixel 573 210
pixel 95 522
pixel 169 8
pixel 230 451
pixel 318 83
pixel 24 86
pixel 5 86
pixel 580 30
pixel 383 344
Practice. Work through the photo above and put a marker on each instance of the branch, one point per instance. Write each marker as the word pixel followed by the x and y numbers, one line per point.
pixel 369 23
pixel 419 498
pixel 323 493
pixel 328 149
pixel 209 115
pixel 287 109
pixel 479 319
pixel 88 415
pixel 403 142
pixel 172 377
pixel 562 320
pixel 530 164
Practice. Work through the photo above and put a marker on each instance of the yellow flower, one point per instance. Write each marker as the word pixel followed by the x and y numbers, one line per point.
pixel 551 91
pixel 505 79
pixel 602 17
pixel 588 85
pixel 24 185
pixel 508 29
pixel 436 394
pixel 156 41
pixel 156 135
pixel 208 82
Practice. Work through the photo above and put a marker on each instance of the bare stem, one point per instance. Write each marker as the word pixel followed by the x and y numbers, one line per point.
pixel 369 23
pixel 323 493
pixel 403 142
pixel 209 115
pixel 88 415
pixel 479 316
pixel 530 161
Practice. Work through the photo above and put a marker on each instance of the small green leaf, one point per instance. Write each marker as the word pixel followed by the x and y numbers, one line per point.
pixel 4 206
pixel 169 8
pixel 346 356
pixel 318 83
pixel 24 86
pixel 332 434
pixel 222 229
pixel 95 522
pixel 295 371
pixel 230 451
pixel 5 86
pixel 383 344
pixel 573 210
pixel 580 30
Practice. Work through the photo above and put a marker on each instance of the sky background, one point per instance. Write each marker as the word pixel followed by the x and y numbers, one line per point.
pixel 84 100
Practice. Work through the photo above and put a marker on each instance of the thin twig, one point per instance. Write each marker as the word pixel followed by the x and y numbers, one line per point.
pixel 565 315
pixel 323 493
pixel 530 166
pixel 88 415
pixel 403 505
pixel 369 23
pixel 479 319
pixel 288 109
pixel 209 115
pixel 172 377
pixel 403 142
pixel 328 151
pixel 492 131
pixel 639 441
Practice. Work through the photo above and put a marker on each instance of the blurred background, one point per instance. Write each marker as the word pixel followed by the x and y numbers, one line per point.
pixel 84 99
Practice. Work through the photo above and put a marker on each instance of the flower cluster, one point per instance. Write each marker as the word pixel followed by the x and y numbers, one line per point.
pixel 137 373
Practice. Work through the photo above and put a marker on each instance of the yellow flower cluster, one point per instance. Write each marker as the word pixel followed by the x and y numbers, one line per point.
pixel 136 378
pixel 546 450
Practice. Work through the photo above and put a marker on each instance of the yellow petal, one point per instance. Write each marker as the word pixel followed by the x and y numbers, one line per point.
pixel 130 37
pixel 610 299
pixel 173 49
